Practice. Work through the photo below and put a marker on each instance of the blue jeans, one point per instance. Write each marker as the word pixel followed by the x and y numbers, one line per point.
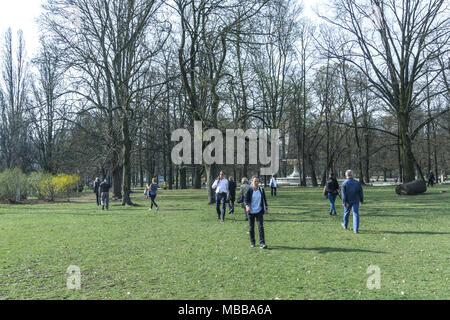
pixel 355 207
pixel 222 196
pixel 260 219
pixel 332 199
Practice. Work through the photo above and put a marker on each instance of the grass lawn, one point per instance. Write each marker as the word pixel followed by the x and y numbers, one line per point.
pixel 184 252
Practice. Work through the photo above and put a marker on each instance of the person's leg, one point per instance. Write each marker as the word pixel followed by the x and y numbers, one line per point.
pixel 154 197
pixel 107 200
pixel 330 199
pixel 251 222
pixel 346 215
pixel 260 219
pixel 103 200
pixel 224 205
pixel 271 191
pixel 218 197
pixel 275 191
pixel 356 217
pixel 98 198
pixel 152 201
pixel 333 207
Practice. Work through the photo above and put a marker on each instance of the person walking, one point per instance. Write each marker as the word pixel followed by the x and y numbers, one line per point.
pixel 104 193
pixel 96 186
pixel 352 198
pixel 220 185
pixel 245 186
pixel 256 206
pixel 331 192
pixel 273 186
pixel 231 194
pixel 151 193
pixel 430 178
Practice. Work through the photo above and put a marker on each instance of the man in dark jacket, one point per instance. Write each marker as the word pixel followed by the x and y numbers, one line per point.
pixel 96 186
pixel 231 194
pixel 430 178
pixel 104 193
pixel 352 198
pixel 256 206
pixel 332 191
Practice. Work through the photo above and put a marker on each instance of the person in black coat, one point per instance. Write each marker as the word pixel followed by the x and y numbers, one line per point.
pixel 231 194
pixel 331 192
pixel 430 178
pixel 96 186
pixel 256 206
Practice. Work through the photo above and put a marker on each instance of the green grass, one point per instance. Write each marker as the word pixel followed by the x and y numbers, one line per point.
pixel 184 252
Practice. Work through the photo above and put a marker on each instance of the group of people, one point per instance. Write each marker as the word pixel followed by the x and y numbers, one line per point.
pixel 101 190
pixel 252 198
pixel 351 195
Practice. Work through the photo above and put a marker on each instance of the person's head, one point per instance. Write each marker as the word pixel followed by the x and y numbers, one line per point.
pixel 105 180
pixel 331 175
pixel 244 180
pixel 221 175
pixel 274 176
pixel 230 178
pixel 255 181
pixel 96 179
pixel 153 180
pixel 349 174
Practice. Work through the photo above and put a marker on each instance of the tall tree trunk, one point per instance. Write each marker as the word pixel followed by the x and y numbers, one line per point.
pixel 126 162
pixel 183 184
pixel 117 182
pixel 211 175
pixel 406 155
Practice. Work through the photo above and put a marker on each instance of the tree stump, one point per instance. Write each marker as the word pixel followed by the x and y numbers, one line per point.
pixel 411 188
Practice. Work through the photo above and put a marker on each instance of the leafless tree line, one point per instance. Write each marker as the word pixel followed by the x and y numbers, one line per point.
pixel 366 90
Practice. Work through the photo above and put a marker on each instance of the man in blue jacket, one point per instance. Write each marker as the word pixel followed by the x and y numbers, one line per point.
pixel 352 198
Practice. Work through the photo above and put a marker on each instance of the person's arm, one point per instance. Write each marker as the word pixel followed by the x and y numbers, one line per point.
pixel 214 186
pixel 266 209
pixel 361 194
pixel 343 193
pixel 247 199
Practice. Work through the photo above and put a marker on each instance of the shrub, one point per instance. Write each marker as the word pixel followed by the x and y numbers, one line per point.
pixel 65 184
pixel 42 186
pixel 12 182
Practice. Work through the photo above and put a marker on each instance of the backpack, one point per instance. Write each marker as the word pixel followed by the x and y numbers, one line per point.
pixel 331 186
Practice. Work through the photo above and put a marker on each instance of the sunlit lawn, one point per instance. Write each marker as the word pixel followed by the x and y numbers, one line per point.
pixel 184 252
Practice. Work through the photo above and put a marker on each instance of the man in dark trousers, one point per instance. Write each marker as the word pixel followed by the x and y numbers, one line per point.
pixel 430 178
pixel 221 188
pixel 96 186
pixel 332 191
pixel 231 194
pixel 256 205
pixel 352 198
pixel 104 193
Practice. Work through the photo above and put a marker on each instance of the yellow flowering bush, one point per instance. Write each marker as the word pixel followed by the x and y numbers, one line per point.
pixel 48 187
pixel 65 184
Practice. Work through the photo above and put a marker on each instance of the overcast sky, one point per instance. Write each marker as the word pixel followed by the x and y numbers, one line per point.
pixel 21 14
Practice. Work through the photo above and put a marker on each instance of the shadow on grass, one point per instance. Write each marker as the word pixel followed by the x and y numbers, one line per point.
pixel 324 250
pixel 407 232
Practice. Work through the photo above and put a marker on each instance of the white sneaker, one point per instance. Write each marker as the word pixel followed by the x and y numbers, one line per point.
pixel 157 208
pixel 150 209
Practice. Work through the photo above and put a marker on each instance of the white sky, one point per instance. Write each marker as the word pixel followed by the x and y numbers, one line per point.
pixel 22 14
